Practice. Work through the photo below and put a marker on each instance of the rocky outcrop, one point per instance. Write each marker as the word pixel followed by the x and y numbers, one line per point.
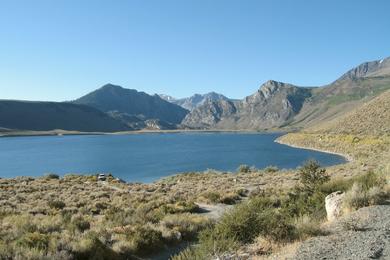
pixel 210 114
pixel 274 104
pixel 333 205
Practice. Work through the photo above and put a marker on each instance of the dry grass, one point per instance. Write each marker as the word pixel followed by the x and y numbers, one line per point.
pixel 78 217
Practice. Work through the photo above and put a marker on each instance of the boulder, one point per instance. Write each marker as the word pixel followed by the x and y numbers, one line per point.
pixel 333 205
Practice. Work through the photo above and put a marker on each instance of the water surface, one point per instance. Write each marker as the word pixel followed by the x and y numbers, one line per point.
pixel 148 157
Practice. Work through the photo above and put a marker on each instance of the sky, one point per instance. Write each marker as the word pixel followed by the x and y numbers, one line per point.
pixel 60 50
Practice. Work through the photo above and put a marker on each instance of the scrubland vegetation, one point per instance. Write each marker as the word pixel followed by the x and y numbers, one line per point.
pixel 273 219
pixel 77 217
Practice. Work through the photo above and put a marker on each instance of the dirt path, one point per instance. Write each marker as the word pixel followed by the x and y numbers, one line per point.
pixel 213 211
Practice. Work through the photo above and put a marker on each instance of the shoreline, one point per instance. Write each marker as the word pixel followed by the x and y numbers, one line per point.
pixel 347 157
pixel 65 133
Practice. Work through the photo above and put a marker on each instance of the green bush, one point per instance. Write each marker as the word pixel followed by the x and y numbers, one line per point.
pixel 244 168
pixel 211 196
pixel 369 180
pixel 90 247
pixel 271 169
pixel 312 175
pixel 80 224
pixel 145 240
pixel 56 204
pixel 260 216
pixel 34 240
pixel 52 176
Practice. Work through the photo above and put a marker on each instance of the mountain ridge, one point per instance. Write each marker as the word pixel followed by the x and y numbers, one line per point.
pixel 132 102
pixel 303 107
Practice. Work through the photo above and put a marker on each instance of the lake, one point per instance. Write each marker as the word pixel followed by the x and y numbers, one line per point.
pixel 148 157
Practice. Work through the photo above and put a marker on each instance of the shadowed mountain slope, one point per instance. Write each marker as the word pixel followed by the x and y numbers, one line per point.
pixel 115 98
pixel 45 116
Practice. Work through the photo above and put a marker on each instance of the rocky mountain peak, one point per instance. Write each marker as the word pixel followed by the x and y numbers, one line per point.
pixel 111 87
pixel 366 69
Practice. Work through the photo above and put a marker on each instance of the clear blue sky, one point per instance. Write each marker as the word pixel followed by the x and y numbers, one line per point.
pixel 60 50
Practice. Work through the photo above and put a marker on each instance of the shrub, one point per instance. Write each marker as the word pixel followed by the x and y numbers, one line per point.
pixel 56 204
pixel 307 227
pixel 52 176
pixel 259 216
pixel 80 224
pixel 312 175
pixel 244 168
pixel 336 184
pixel 300 203
pixel 145 240
pixel 180 207
pixel 90 247
pixel 33 240
pixel 230 199
pixel 190 253
pixel 369 180
pixel 271 169
pixel 356 197
pixel 187 224
pixel 211 196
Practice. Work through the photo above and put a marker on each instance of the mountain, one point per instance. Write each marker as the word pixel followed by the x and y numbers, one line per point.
pixel 283 105
pixel 195 100
pixel 46 116
pixel 167 98
pixel 274 104
pixel 351 90
pixel 115 98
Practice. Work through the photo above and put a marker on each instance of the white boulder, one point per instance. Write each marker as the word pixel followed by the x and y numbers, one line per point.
pixel 333 205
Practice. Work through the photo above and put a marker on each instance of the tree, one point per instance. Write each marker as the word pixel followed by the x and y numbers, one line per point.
pixel 312 175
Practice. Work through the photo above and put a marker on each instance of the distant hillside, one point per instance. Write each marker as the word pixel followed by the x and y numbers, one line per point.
pixel 273 105
pixel 282 105
pixel 372 118
pixel 195 100
pixel 134 103
pixel 350 91
pixel 45 116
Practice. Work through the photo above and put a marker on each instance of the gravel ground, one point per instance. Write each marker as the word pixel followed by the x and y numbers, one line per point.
pixel 364 234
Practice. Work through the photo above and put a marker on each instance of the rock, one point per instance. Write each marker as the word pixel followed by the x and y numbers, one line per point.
pixel 333 205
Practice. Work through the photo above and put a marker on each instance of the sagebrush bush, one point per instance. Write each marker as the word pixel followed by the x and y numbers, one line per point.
pixel 307 227
pixel 34 240
pixel 187 224
pixel 52 176
pixel 213 197
pixel 312 175
pixel 145 240
pixel 56 204
pixel 271 169
pixel 244 168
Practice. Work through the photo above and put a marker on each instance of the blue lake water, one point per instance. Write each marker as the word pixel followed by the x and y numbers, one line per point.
pixel 148 157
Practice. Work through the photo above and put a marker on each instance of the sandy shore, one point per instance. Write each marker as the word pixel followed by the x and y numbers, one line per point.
pixel 347 157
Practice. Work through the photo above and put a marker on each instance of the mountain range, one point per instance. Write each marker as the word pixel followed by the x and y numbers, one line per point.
pixel 282 105
pixel 195 100
pixel 275 105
